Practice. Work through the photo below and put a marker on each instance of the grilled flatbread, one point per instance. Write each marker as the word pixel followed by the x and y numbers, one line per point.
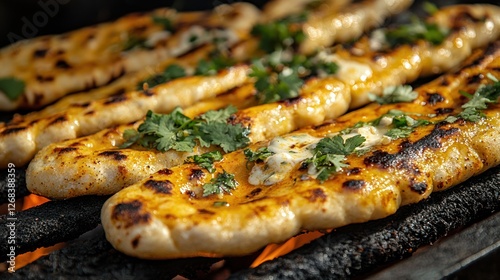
pixel 82 114
pixel 54 66
pixel 187 211
pixel 321 99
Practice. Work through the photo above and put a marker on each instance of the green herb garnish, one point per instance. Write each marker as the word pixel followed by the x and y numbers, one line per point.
pixel 134 42
pixel 394 94
pixel 280 34
pixel 220 204
pixel 206 160
pixel 479 101
pixel 12 87
pixel 181 133
pixel 224 182
pixel 172 72
pixel 217 62
pixel 416 30
pixel 329 154
pixel 259 155
pixel 165 22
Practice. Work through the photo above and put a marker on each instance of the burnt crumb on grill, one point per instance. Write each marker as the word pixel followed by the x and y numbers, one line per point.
pixel 60 150
pixel 81 105
pixel 353 184
pixel 51 223
pixel 196 174
pixel 129 213
pixel 292 101
pixel 434 98
pixel 163 187
pixel 116 155
pixel 419 187
pixel 13 130
pixel 358 249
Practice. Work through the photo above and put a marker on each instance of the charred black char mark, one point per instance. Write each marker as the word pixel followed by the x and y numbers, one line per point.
pixel 130 213
pixel 483 59
pixel 165 171
pixel 409 151
pixel 434 98
pixel 116 155
pixel 39 53
pixel 43 79
pixel 443 111
pixel 253 193
pixel 354 184
pixel 62 64
pixel 317 194
pixel 115 99
pixel 163 187
pixel 418 187
pixel 59 119
pixel 135 241
pixel 65 150
pixel 292 101
pixel 196 174
pixel 205 212
pixel 13 130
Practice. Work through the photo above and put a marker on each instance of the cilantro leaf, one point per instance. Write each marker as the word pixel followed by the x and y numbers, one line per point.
pixel 416 30
pixel 259 155
pixel 394 94
pixel 172 72
pixel 479 101
pixel 275 87
pixel 280 34
pixel 329 154
pixel 224 182
pixel 165 22
pixel 12 87
pixel 217 61
pixel 181 133
pixel 134 42
pixel 206 160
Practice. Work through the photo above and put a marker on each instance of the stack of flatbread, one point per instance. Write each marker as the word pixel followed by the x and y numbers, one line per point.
pixel 220 132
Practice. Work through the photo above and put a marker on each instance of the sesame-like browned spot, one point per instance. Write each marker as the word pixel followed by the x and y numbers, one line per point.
pixel 165 171
pixel 317 194
pixel 354 184
pixel 196 174
pixel 135 241
pixel 130 213
pixel 205 211
pixel 116 155
pixel 163 187
pixel 40 53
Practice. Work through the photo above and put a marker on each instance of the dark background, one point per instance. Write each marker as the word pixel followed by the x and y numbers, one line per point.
pixel 66 15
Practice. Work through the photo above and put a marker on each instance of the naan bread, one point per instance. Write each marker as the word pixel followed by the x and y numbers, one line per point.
pixel 167 216
pixel 320 100
pixel 54 66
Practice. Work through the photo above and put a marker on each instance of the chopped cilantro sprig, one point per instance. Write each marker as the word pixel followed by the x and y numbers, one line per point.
pixel 394 94
pixel 181 133
pixel 280 34
pixel 206 160
pixel 172 72
pixel 479 101
pixel 223 183
pixel 12 87
pixel 417 29
pixel 330 154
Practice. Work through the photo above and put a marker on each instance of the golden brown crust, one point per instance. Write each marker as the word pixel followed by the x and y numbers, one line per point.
pixel 166 215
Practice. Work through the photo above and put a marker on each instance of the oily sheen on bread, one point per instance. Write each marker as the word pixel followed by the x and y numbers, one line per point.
pixel 170 214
